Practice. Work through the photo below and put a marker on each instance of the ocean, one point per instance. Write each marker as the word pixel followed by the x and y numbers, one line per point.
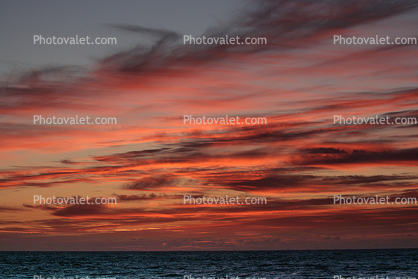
pixel 392 263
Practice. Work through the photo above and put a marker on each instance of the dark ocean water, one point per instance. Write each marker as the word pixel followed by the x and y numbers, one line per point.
pixel 258 264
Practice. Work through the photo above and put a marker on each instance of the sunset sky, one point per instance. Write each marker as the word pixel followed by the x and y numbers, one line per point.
pixel 150 159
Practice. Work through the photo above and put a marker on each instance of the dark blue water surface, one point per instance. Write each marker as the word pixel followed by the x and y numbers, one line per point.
pixel 254 264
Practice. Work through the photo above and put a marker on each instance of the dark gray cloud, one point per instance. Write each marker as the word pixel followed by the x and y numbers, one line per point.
pixel 357 156
pixel 154 182
pixel 285 24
